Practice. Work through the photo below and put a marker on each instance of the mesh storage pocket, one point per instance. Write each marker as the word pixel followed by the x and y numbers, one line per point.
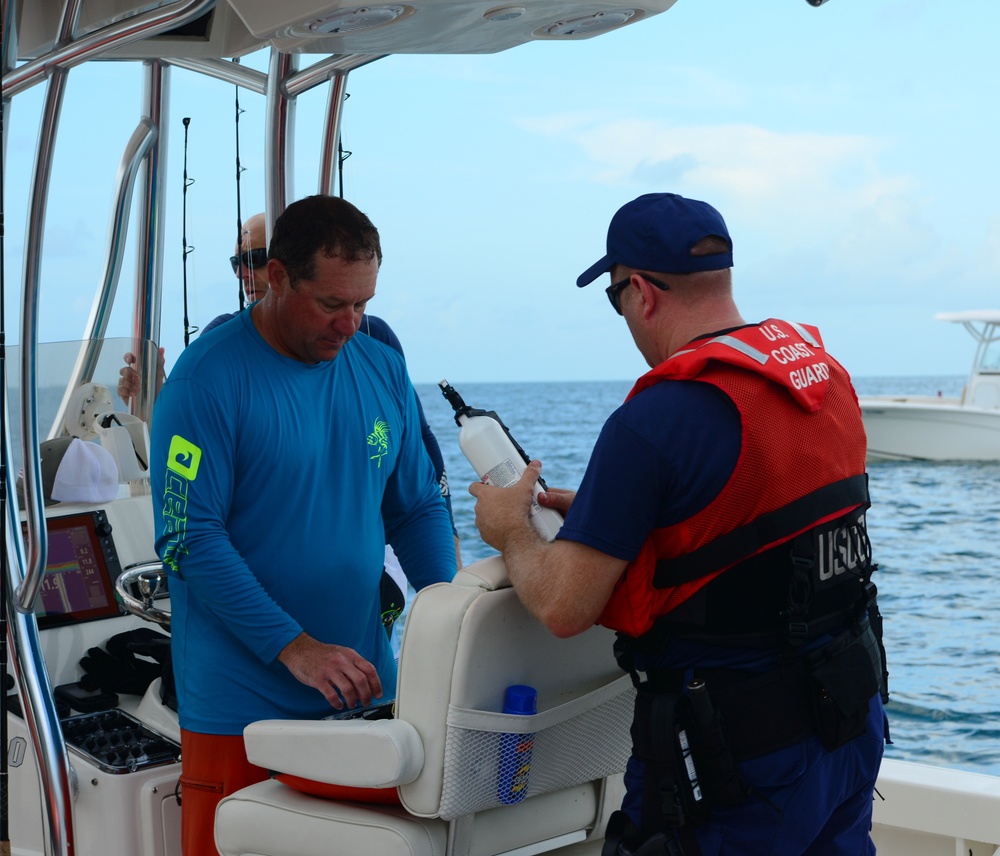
pixel 579 741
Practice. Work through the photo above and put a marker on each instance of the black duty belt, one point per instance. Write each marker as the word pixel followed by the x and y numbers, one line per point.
pixel 825 692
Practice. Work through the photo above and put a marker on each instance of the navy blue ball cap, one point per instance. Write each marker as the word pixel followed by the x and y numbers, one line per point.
pixel 656 233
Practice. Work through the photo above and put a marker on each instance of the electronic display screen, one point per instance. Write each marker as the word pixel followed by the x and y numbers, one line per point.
pixel 77 584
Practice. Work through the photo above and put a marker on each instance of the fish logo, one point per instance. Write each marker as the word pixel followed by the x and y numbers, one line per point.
pixel 379 439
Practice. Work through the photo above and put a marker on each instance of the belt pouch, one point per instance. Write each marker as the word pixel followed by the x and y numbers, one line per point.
pixel 762 712
pixel 844 681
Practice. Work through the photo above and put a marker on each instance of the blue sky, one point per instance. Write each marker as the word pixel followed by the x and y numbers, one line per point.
pixel 851 148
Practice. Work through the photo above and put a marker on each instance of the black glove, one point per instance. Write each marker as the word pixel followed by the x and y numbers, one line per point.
pixel 118 669
pixel 143 641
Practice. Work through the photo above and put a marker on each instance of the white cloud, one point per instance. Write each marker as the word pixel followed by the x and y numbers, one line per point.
pixel 749 166
pixel 777 190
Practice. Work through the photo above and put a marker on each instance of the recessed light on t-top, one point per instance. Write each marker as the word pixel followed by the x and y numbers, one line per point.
pixel 590 25
pixel 505 13
pixel 355 20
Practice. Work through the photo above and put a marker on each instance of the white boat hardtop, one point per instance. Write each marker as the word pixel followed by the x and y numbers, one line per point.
pixel 988 316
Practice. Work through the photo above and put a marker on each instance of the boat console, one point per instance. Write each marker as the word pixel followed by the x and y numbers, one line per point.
pixel 124 750
pixel 80 586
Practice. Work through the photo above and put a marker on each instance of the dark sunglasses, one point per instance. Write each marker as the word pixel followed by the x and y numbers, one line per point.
pixel 250 259
pixel 614 291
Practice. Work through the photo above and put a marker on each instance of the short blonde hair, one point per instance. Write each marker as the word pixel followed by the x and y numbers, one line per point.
pixel 710 246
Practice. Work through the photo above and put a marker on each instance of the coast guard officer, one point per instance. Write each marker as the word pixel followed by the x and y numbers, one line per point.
pixel 720 529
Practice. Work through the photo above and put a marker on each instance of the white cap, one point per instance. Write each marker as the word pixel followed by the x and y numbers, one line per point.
pixel 86 473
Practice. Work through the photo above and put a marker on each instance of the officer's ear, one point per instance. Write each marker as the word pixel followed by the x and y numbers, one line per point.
pixel 650 295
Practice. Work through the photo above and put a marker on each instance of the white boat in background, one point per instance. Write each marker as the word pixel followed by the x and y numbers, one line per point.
pixel 940 428
pixel 73 791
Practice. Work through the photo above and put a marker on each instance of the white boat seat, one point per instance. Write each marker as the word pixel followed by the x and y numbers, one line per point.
pixel 464 643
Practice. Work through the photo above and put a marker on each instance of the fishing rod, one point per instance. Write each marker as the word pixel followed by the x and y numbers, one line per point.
pixel 239 206
pixel 188 329
pixel 342 155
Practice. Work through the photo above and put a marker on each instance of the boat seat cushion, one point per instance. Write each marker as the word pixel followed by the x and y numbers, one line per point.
pixel 324 790
pixel 270 819
pixel 383 753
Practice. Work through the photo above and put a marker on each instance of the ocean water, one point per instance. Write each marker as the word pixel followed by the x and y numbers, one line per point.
pixel 934 529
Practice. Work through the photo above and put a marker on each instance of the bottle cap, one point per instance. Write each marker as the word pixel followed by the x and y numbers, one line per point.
pixel 519 699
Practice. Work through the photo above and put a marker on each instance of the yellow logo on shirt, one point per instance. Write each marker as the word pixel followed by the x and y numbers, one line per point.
pixel 183 460
pixel 379 438
pixel 183 457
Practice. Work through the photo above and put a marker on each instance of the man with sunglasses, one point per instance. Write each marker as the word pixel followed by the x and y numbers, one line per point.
pixel 720 530
pixel 250 266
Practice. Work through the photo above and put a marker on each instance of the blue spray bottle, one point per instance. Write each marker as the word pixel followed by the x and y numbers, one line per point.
pixel 515 749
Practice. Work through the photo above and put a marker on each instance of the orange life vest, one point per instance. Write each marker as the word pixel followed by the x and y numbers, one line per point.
pixel 802 442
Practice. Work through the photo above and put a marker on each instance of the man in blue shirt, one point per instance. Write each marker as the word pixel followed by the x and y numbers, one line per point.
pixel 250 266
pixel 286 454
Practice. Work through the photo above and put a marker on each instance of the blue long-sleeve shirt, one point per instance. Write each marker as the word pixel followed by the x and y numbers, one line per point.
pixel 380 330
pixel 276 485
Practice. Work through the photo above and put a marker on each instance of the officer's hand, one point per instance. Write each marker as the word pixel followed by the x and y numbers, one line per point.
pixel 332 669
pixel 557 498
pixel 503 512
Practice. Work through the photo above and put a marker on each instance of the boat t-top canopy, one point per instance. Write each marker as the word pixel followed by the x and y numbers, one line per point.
pixel 987 316
pixel 984 326
pixel 214 29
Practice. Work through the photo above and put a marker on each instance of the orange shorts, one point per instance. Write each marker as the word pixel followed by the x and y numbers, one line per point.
pixel 214 766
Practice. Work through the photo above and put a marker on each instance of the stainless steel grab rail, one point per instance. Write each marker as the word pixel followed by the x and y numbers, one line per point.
pixel 147 578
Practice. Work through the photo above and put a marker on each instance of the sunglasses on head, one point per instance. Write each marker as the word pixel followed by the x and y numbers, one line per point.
pixel 250 259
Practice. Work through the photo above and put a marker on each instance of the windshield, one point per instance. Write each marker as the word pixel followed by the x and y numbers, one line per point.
pixel 990 361
pixel 61 368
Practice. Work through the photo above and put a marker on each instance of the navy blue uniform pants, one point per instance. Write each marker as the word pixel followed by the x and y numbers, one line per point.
pixel 805 800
